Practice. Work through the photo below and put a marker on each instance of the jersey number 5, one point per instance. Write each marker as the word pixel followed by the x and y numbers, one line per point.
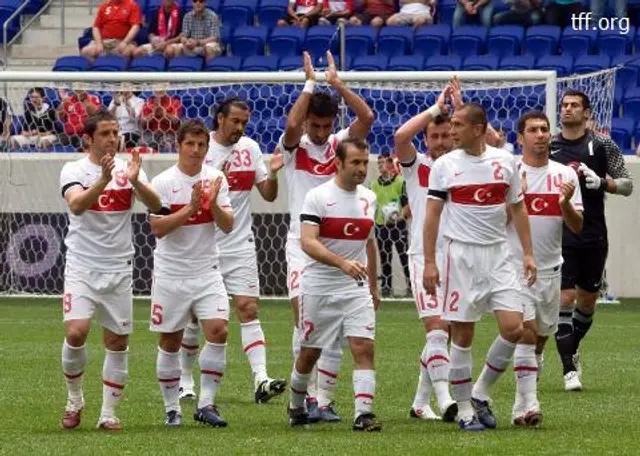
pixel 156 314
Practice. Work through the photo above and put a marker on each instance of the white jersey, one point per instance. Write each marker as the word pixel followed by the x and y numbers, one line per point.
pixel 346 222
pixel 247 168
pixel 100 239
pixel 544 185
pixel 306 167
pixel 476 191
pixel 416 177
pixel 190 250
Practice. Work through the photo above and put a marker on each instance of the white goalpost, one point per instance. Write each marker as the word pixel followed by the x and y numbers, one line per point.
pixel 32 213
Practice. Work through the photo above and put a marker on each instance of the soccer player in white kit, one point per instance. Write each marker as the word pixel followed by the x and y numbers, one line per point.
pixel 415 167
pixel 474 184
pixel 240 158
pixel 336 301
pixel 308 148
pixel 99 190
pixel 186 277
pixel 552 197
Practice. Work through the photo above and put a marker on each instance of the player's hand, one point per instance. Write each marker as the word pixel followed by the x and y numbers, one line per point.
pixel 308 67
pixel 530 270
pixel 354 269
pixel 442 99
pixel 566 192
pixel 196 197
pixel 431 278
pixel 108 163
pixel 214 186
pixel 133 167
pixel 332 71
pixel 277 162
pixel 375 295
pixel 456 93
pixel 524 184
pixel 592 180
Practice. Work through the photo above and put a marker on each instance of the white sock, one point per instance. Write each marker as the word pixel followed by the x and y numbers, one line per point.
pixel 254 346
pixel 498 359
pixel 461 380
pixel 423 392
pixel 74 360
pixel 115 373
pixel 168 372
pixel 299 383
pixel 525 368
pixel 188 352
pixel 312 387
pixel 329 365
pixel 295 342
pixel 438 365
pixel 213 360
pixel 364 389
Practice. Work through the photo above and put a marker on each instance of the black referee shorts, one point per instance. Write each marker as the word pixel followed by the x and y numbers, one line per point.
pixel 584 266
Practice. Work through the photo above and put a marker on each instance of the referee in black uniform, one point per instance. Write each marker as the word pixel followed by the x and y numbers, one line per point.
pixel 601 168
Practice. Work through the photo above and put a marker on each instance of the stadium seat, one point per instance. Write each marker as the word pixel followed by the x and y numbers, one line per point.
pixel 109 63
pixel 185 63
pixel 575 43
pixel 517 62
pixel 406 63
pixel 443 63
pixel 260 63
pixel 319 39
pixel 560 63
pixel 432 40
pixel 223 64
pixel 370 63
pixel 320 61
pixel 149 63
pixel 622 132
pixel 291 63
pixel 238 12
pixel 542 40
pixel 591 63
pixel 248 41
pixel 71 63
pixel 627 73
pixel 445 12
pixel 58 148
pixel 361 40
pixel 270 11
pixel 286 41
pixel 631 103
pixel 468 40
pixel 614 44
pixel 395 40
pixel 505 40
pixel 83 39
pixel 480 63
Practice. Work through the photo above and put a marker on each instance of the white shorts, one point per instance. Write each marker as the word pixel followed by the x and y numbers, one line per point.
pixel 541 302
pixel 476 279
pixel 327 318
pixel 427 305
pixel 296 261
pixel 108 295
pixel 240 273
pixel 175 302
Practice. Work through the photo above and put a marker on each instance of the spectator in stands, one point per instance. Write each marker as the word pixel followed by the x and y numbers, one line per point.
pixel 302 13
pixel 73 111
pixel 374 13
pixel 200 33
pixel 127 108
pixel 598 7
pixel 413 12
pixel 469 11
pixel 39 127
pixel 161 121
pixel 559 12
pixel 164 30
pixel 5 121
pixel 332 10
pixel 521 12
pixel 114 29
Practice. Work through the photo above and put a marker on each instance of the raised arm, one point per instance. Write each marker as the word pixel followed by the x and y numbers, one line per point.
pixel 295 120
pixel 80 199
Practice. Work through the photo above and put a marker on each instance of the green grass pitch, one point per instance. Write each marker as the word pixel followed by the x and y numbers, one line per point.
pixel 603 419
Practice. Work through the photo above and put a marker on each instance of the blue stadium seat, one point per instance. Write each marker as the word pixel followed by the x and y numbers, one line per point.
pixel 71 63
pixel 517 62
pixel 291 63
pixel 631 103
pixel 560 63
pixel 370 63
pixel 445 12
pixel 320 39
pixel 223 64
pixel 542 40
pixel 185 64
pixel 149 63
pixel 614 44
pixel 83 39
pixel 320 61
pixel 260 63
pixel 58 148
pixel 575 43
pixel 432 40
pixel 406 63
pixel 361 40
pixel 395 40
pixel 443 63
pixel 286 41
pixel 622 132
pixel 468 40
pixel 591 63
pixel 227 34
pixel 505 40
pixel 270 11
pixel 238 12
pixel 627 73
pixel 109 63
pixel 480 63
pixel 248 41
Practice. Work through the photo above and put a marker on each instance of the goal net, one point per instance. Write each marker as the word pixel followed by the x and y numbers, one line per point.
pixel 43 113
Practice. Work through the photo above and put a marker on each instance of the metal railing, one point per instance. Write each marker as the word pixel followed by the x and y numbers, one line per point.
pixel 23 27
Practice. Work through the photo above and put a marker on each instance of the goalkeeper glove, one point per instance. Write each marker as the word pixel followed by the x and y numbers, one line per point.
pixel 592 180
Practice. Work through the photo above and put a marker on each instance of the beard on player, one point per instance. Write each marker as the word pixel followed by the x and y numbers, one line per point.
pixel 437 137
pixel 352 160
pixel 231 119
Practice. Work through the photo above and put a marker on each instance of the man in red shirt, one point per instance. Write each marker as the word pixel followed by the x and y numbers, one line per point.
pixel 73 111
pixel 374 12
pixel 161 120
pixel 114 29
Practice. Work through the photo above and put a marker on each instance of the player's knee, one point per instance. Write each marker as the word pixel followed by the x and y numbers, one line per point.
pixel 434 324
pixel 307 358
pixel 170 342
pixel 362 351
pixel 216 332
pixel 586 300
pixel 247 309
pixel 567 298
pixel 512 332
pixel 462 334
pixel 528 333
pixel 76 336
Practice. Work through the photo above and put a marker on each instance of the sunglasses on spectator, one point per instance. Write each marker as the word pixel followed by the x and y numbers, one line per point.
pixel 199 1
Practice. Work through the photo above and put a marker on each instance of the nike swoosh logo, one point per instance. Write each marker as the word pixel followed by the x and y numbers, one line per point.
pixel 555 151
pixel 457 174
pixel 331 204
pixel 175 191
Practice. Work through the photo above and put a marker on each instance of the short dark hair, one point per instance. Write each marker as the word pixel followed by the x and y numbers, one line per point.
pixel 91 124
pixel 438 120
pixel 531 115
pixel 38 90
pixel 322 104
pixel 224 108
pixel 586 103
pixel 476 114
pixel 341 150
pixel 194 127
